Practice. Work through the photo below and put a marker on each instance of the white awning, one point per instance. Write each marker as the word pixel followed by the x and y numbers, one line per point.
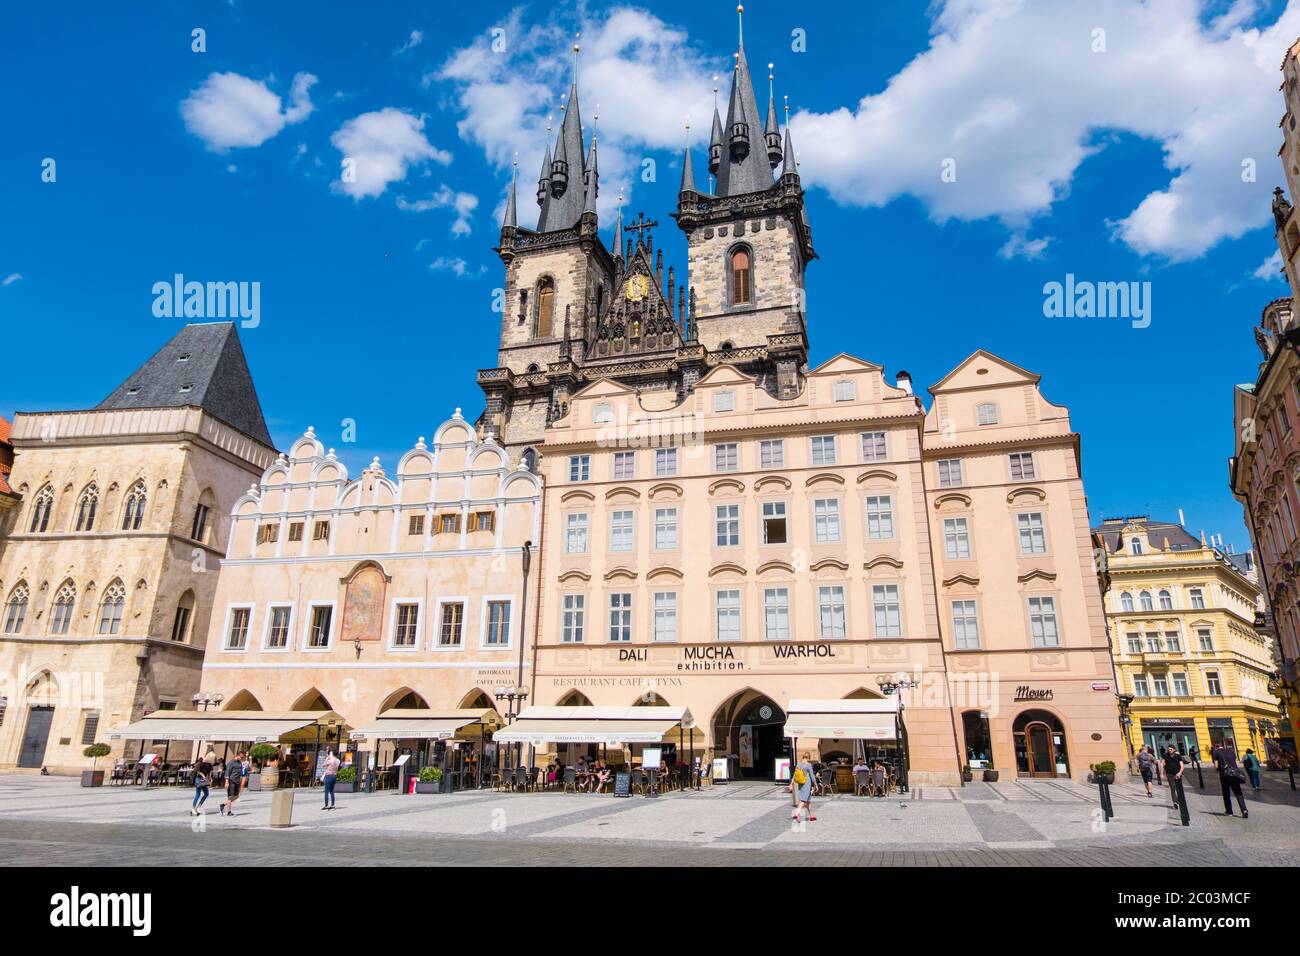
pixel 866 719
pixel 213 728
pixel 612 733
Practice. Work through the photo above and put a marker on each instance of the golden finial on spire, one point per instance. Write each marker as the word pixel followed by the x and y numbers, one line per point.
pixel 740 17
pixel 577 48
pixel 787 109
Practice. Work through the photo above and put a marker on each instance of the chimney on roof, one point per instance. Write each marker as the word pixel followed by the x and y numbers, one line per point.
pixel 904 381
pixel 1181 521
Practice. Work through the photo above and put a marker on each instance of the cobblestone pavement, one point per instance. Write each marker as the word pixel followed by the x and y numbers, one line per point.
pixel 53 821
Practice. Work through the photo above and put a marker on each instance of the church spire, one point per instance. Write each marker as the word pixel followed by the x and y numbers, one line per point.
pixel 511 219
pixel 618 232
pixel 688 172
pixel 593 184
pixel 791 167
pixel 568 179
pixel 715 140
pixel 772 129
pixel 742 169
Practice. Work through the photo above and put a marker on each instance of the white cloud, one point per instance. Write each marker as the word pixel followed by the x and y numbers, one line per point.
pixel 1018 246
pixel 1015 94
pixel 1270 269
pixel 382 145
pixel 445 198
pixel 644 74
pixel 1011 90
pixel 414 40
pixel 458 266
pixel 228 110
pixel 10 279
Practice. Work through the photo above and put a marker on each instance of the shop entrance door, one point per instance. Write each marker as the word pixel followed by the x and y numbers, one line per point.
pixel 1041 758
pixel 36 736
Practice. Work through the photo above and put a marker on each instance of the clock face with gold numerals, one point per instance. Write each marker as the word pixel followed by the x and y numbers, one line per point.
pixel 637 288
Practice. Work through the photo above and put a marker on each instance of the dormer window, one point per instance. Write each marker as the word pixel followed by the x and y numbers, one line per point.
pixel 741 277
pixel 845 391
pixel 986 413
pixel 183 357
pixel 133 390
pixel 186 388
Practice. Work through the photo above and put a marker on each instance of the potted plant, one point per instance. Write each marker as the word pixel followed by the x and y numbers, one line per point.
pixel 266 756
pixel 966 775
pixel 990 775
pixel 1103 771
pixel 94 777
pixel 346 780
pixel 430 780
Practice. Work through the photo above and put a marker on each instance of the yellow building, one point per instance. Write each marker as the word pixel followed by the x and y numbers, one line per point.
pixel 1182 626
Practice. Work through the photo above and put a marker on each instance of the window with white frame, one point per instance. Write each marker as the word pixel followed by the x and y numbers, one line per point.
pixel 1166 600
pixel 1159 685
pixel 573 617
pixel 237 631
pixel 874 447
pixel 622 525
pixel 845 390
pixel 831 620
pixel 665 529
pixel 1212 685
pixel 774 522
pixel 451 627
pixel 956 539
pixel 1173 643
pixel 726 456
pixel 1135 643
pixel 726 525
pixel 1198 598
pixel 406 624
pixel 277 627
pixel 1205 639
pixel 318 633
pixel 665 462
pixel 624 465
pixel 965 625
pixel 880 517
pixel 579 468
pixel 1033 535
pixel 1144 600
pixel 776 614
pixel 771 453
pixel 665 615
pixel 498 624
pixel 1153 642
pixel 575 533
pixel 1181 688
pixel 826 520
pixel 602 414
pixel 986 413
pixel 1042 622
pixel 1126 601
pixel 724 401
pixel 1140 688
pixel 727 614
pixel 886 610
pixel 620 617
pixel 823 449
pixel 950 472
pixel 1022 466
pixel 1135 545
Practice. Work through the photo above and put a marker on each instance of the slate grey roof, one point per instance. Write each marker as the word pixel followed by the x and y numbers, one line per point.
pixel 751 173
pixel 1161 534
pixel 564 212
pixel 202 365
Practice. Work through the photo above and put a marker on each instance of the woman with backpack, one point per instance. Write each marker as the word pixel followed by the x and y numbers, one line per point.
pixel 801 787
pixel 1146 766
pixel 1250 763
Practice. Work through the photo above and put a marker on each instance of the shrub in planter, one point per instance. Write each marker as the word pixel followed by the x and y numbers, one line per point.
pixel 267 757
pixel 966 775
pixel 990 775
pixel 1103 771
pixel 346 780
pixel 429 781
pixel 94 777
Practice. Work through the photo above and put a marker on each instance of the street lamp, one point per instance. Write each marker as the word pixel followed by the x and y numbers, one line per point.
pixel 511 695
pixel 206 701
pixel 889 687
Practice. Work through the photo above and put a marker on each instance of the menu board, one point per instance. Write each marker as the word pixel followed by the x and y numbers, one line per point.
pixel 622 785
pixel 782 768
pixel 651 758
pixel 719 769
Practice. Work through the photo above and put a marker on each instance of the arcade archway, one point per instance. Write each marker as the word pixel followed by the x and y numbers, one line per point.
pixel 749 730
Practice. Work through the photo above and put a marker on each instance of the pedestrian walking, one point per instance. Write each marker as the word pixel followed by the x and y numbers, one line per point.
pixel 1174 764
pixel 330 776
pixel 1250 763
pixel 202 786
pixel 801 787
pixel 1231 776
pixel 236 772
pixel 1147 767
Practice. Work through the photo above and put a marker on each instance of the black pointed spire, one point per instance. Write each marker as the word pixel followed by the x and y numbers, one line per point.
pixel 511 219
pixel 742 169
pixel 593 181
pixel 772 129
pixel 618 233
pixel 544 181
pixel 791 167
pixel 567 198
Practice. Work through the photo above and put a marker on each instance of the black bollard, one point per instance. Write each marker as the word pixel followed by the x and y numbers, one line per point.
pixel 1103 793
pixel 1181 797
pixel 1291 771
pixel 1200 778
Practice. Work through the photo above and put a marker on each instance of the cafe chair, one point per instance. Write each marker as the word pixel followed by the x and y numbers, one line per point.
pixel 570 780
pixel 862 783
pixel 828 781
pixel 521 779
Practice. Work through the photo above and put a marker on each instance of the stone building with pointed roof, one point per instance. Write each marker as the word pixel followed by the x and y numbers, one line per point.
pixel 108 561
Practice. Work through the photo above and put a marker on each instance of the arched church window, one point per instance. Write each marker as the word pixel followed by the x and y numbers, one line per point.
pixel 41 509
pixel 16 609
pixel 110 609
pixel 64 603
pixel 133 512
pixel 741 288
pixel 86 508
pixel 545 307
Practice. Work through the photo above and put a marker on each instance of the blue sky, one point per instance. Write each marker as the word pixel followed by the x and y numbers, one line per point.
pixel 1115 156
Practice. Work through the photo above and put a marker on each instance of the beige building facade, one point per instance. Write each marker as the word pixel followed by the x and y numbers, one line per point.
pixel 360 594
pixel 109 560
